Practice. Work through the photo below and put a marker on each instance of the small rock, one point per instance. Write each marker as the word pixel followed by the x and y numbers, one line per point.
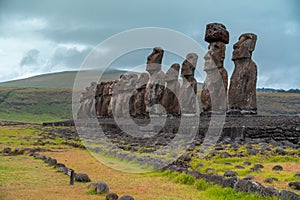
pixel 111 196
pixel 60 165
pixel 270 180
pixel 295 185
pixel 52 161
pixel 7 150
pixel 280 151
pixel 260 166
pixel 200 165
pixel 297 175
pixel 247 163
pixel 229 173
pixel 248 177
pixel 277 168
pixel 126 197
pixel 82 178
pixel 254 169
pixel 252 151
pixel 239 167
pixel 100 187
pixel 63 169
pixel 227 163
pixel 210 171
pixel 225 155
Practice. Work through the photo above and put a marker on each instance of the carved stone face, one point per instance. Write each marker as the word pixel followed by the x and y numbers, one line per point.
pixel 244 47
pixel 142 81
pixel 154 59
pixel 173 72
pixel 217 52
pixel 189 64
pixel 209 63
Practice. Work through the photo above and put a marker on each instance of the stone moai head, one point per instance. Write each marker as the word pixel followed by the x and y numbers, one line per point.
pixel 244 47
pixel 189 64
pixel 112 87
pixel 129 81
pixel 217 52
pixel 173 72
pixel 154 60
pixel 142 81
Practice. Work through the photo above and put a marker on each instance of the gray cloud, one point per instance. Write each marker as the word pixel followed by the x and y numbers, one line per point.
pixel 276 22
pixel 30 58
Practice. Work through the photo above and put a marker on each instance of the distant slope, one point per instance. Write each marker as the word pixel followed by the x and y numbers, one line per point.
pixel 57 80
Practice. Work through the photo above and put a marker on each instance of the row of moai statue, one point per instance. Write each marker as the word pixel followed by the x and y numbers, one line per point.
pixel 241 95
pixel 156 92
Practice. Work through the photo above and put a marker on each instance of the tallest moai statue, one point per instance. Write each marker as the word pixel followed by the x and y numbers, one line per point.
pixel 214 91
pixel 242 90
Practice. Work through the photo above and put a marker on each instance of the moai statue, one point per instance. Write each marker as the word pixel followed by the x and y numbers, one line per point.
pixel 129 88
pixel 119 88
pixel 139 96
pixel 156 84
pixel 113 93
pixel 171 92
pixel 242 90
pixel 188 90
pixel 214 91
pixel 106 99
pixel 99 98
pixel 87 102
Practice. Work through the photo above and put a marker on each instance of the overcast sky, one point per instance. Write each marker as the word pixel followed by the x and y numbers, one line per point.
pixel 48 36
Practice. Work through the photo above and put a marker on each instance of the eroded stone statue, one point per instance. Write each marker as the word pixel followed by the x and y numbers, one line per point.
pixel 87 102
pixel 139 95
pixel 188 90
pixel 156 83
pixel 171 92
pixel 214 91
pixel 242 90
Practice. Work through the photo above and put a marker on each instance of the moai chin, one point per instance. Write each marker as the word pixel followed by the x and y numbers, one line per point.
pixel 188 90
pixel 139 96
pixel 214 91
pixel 171 92
pixel 156 84
pixel 242 90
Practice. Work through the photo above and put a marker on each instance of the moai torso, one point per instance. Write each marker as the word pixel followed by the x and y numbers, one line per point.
pixel 99 98
pixel 242 90
pixel 113 97
pixel 188 90
pixel 106 99
pixel 139 95
pixel 171 93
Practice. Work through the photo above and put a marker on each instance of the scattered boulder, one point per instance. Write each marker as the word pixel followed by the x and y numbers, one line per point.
pixel 239 167
pixel 39 156
pixel 297 175
pixel 111 196
pixel 126 197
pixel 227 163
pixel 295 185
pixel 277 168
pixel 7 150
pixel 225 155
pixel 99 187
pixel 229 173
pixel 63 169
pixel 210 171
pixel 60 165
pixel 259 166
pixel 280 151
pixel 200 165
pixel 82 178
pixel 247 163
pixel 270 180
pixel 254 169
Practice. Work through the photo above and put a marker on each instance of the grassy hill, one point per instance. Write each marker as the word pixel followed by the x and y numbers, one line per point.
pixel 55 104
pixel 58 80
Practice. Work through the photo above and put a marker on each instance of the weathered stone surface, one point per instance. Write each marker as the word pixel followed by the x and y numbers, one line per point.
pixel 99 98
pixel 295 185
pixel 113 92
pixel 216 32
pixel 242 89
pixel 284 195
pixel 188 89
pixel 229 173
pixel 277 168
pixel 82 178
pixel 171 92
pixel 156 84
pixel 139 95
pixel 87 102
pixel 270 180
